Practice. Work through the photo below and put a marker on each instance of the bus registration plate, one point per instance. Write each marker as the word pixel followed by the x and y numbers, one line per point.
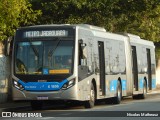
pixel 42 98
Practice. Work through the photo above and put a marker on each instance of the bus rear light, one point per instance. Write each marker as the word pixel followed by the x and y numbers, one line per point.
pixel 18 85
pixel 68 84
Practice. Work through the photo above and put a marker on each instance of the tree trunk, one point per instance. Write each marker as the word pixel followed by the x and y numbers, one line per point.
pixel 158 74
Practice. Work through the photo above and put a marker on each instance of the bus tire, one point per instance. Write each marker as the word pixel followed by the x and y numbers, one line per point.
pixel 143 95
pixel 118 98
pixel 36 105
pixel 135 96
pixel 90 103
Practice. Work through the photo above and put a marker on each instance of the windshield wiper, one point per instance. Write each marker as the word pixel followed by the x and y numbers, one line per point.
pixel 34 49
pixel 50 53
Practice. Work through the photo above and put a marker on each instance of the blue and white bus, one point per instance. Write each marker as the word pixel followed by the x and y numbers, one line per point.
pixel 80 63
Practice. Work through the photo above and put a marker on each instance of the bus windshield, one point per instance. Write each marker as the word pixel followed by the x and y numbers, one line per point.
pixel 44 57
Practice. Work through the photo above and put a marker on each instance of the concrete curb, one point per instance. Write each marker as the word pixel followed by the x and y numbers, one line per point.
pixel 13 105
pixel 11 109
pixel 156 91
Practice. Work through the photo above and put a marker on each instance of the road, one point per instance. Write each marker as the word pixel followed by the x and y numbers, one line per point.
pixel 128 109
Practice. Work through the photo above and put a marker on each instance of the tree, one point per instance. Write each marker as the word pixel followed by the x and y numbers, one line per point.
pixel 71 11
pixel 15 13
pixel 140 17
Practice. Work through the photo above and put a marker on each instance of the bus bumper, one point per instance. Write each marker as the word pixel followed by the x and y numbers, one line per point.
pixel 69 94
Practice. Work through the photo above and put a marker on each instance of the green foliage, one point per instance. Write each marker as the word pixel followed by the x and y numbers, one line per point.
pixel 15 13
pixel 158 53
pixel 140 17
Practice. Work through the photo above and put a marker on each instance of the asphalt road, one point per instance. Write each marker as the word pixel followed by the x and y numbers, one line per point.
pixel 146 109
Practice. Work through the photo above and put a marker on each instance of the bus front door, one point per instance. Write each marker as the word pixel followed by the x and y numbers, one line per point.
pixel 135 68
pixel 101 66
pixel 149 69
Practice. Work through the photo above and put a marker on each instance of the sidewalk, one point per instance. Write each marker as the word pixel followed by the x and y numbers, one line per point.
pixel 156 91
pixel 13 104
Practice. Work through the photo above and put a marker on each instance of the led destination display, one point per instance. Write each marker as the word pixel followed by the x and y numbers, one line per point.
pixel 50 33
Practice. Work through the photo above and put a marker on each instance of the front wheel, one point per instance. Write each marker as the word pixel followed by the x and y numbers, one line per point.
pixel 118 98
pixel 90 103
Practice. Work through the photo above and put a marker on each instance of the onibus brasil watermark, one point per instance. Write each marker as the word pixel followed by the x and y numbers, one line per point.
pixel 142 114
pixel 20 115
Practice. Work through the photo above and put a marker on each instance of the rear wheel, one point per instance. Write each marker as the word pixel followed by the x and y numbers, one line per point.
pixel 135 96
pixel 36 105
pixel 143 95
pixel 118 98
pixel 90 103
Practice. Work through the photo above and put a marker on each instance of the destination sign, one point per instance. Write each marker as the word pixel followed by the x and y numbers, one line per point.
pixel 50 33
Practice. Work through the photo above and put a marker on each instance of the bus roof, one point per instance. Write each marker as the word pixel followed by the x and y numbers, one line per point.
pixel 99 32
pixel 91 27
pixel 136 39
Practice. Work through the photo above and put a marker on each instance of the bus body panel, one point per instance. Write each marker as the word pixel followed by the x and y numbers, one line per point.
pixel 142 62
pixel 110 41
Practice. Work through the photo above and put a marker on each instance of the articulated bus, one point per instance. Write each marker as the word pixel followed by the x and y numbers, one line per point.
pixel 81 63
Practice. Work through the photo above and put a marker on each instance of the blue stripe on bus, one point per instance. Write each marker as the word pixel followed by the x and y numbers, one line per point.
pixel 141 83
pixel 153 83
pixel 113 85
pixel 42 86
pixel 124 85
pixel 142 80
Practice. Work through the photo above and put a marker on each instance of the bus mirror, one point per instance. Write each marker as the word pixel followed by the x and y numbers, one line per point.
pixel 83 62
pixel 82 53
pixel 7 44
pixel 81 43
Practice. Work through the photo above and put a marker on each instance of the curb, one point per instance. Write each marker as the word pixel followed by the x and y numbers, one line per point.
pixel 154 92
pixel 4 107
pixel 11 109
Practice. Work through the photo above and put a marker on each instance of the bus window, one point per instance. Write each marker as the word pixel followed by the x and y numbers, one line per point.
pixel 49 57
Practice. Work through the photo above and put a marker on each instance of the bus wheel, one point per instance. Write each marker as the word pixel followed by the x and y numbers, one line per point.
pixel 135 96
pixel 90 103
pixel 143 95
pixel 36 105
pixel 117 99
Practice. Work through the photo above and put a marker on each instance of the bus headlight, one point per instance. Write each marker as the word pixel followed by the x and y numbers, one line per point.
pixel 18 85
pixel 68 84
